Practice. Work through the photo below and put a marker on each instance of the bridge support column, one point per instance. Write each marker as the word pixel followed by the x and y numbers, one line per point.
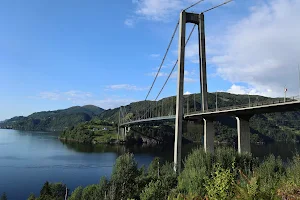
pixel 179 98
pixel 243 131
pixel 209 135
pixel 122 132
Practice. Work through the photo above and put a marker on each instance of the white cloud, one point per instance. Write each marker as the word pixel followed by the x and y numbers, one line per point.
pixel 190 80
pixel 85 98
pixel 129 22
pixel 49 95
pixel 157 9
pixel 237 89
pixel 108 103
pixel 187 93
pixel 164 10
pixel 154 55
pixel 69 95
pixel 160 74
pixel 125 87
pixel 263 49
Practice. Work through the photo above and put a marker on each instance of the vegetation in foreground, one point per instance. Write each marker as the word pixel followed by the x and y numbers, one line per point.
pixel 224 175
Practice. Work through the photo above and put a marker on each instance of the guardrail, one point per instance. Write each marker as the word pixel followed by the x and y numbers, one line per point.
pixel 250 105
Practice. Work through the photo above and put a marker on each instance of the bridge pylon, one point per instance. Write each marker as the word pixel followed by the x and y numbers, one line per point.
pixel 197 19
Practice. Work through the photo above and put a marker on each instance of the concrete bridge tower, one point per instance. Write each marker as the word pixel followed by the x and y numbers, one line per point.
pixel 197 19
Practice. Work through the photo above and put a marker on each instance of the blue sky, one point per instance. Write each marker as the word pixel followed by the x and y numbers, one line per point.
pixel 56 54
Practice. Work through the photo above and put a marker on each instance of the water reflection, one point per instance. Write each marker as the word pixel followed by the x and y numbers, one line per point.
pixel 281 149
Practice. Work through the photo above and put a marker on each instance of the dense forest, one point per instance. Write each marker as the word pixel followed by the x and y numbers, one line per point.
pixel 283 126
pixel 264 127
pixel 94 131
pixel 57 120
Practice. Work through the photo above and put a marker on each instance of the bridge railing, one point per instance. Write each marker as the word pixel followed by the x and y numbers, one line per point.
pixel 165 109
pixel 250 105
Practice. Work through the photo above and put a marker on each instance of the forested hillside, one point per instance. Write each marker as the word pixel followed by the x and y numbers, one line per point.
pixel 264 128
pixel 57 120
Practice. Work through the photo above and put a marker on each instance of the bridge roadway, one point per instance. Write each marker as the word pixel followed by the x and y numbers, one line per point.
pixel 243 110
pixel 242 115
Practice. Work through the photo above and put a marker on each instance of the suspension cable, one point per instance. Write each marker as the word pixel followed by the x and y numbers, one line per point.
pixel 222 4
pixel 163 60
pixel 193 5
pixel 175 63
pixel 189 37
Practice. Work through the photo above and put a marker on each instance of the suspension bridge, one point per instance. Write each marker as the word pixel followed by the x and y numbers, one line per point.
pixel 242 113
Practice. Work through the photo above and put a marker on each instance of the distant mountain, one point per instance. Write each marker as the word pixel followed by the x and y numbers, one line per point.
pixel 57 120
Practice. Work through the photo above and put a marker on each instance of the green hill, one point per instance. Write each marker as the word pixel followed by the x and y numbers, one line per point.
pixel 57 120
pixel 264 127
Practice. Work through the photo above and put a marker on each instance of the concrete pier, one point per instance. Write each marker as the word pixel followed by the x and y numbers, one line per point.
pixel 202 59
pixel 243 131
pixel 122 132
pixel 179 100
pixel 209 135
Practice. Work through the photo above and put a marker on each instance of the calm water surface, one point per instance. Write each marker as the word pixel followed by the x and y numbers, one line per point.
pixel 28 159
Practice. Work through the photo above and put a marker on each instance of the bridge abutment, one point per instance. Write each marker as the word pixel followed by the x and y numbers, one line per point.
pixel 243 131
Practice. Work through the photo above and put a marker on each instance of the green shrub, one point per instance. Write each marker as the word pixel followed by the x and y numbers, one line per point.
pixel 124 177
pixel 154 167
pixel 76 194
pixel 155 190
pixel 293 171
pixel 90 192
pixel 31 197
pixel 220 184
pixel 269 175
pixel 197 166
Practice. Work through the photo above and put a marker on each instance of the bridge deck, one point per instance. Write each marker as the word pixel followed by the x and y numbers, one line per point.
pixel 232 111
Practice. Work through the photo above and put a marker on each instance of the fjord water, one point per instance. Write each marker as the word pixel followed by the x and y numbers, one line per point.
pixel 28 159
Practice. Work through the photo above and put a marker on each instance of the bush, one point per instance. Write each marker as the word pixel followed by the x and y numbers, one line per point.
pixel 90 192
pixel 155 190
pixel 31 197
pixel 77 193
pixel 269 175
pixel 220 184
pixel 4 197
pixel 124 177
pixel 197 167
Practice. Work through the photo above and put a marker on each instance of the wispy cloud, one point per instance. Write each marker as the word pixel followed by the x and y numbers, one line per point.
pixel 164 10
pixel 84 98
pixel 109 103
pixel 125 87
pixel 238 89
pixel 160 74
pixel 129 22
pixel 158 10
pixel 69 95
pixel 154 55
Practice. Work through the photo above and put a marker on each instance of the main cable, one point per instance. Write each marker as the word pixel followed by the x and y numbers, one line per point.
pixel 222 4
pixel 193 4
pixel 189 37
pixel 175 63
pixel 163 60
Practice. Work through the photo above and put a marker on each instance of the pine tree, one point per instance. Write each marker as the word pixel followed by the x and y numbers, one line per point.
pixel 4 197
